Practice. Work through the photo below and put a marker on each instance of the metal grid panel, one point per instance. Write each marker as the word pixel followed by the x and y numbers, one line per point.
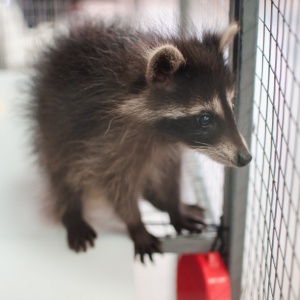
pixel 272 248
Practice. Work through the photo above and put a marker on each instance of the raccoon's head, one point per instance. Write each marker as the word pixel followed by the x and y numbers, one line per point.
pixel 189 97
pixel 193 88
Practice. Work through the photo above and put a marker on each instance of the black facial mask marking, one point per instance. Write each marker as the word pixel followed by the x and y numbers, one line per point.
pixel 193 130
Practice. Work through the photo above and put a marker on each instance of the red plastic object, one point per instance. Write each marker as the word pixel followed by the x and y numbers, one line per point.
pixel 202 277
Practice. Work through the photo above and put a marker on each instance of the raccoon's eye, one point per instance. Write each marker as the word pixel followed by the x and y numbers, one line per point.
pixel 204 120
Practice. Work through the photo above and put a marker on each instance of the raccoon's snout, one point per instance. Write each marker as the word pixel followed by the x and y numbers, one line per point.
pixel 243 158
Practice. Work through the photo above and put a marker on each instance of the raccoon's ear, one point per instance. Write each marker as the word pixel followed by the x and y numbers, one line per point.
pixel 163 62
pixel 228 36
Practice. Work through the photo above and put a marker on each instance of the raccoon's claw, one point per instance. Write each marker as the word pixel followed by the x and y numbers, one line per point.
pixel 80 236
pixel 145 244
pixel 190 218
pixel 147 248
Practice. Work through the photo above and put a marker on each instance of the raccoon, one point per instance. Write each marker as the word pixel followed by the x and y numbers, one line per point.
pixel 114 107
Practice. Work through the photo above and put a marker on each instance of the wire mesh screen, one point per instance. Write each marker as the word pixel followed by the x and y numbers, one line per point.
pixel 272 248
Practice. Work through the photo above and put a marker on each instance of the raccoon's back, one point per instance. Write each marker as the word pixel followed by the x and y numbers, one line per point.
pixel 80 80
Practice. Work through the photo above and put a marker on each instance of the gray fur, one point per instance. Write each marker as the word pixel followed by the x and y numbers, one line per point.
pixel 101 121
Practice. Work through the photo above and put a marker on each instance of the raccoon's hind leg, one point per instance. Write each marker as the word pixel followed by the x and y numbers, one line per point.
pixel 182 216
pixel 80 234
pixel 165 195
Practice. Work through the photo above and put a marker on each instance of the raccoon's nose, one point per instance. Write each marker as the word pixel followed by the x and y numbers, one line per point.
pixel 244 158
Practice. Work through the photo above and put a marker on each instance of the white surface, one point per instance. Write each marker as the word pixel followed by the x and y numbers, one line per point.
pixel 35 262
pixel 157 281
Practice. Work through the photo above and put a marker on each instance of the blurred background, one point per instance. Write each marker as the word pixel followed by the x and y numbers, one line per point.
pixel 27 24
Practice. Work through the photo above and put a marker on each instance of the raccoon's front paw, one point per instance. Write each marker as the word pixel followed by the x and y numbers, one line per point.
pixel 80 235
pixel 144 243
pixel 189 218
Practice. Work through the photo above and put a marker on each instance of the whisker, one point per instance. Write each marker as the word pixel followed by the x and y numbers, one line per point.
pixel 108 127
pixel 200 143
